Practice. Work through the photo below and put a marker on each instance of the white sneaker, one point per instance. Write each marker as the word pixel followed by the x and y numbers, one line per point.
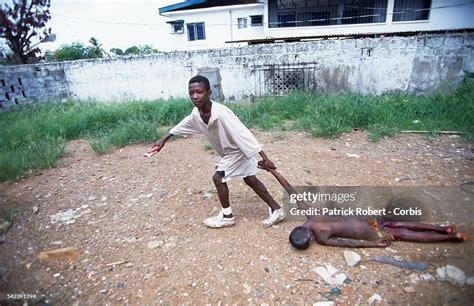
pixel 219 221
pixel 274 217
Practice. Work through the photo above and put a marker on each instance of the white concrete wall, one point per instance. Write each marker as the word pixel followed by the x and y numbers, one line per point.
pixel 414 64
pixel 220 25
pixel 444 15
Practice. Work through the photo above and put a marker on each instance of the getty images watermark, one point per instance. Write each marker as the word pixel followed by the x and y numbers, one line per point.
pixel 340 198
pixel 421 203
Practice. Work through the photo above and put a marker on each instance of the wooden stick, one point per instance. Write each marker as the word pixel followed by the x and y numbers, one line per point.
pixel 117 263
pixel 436 132
pixel 63 253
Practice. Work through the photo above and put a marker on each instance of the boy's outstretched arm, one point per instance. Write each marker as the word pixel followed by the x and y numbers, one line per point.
pixel 161 142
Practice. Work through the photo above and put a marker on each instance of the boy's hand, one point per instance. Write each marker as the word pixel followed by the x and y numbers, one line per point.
pixel 160 142
pixel 266 165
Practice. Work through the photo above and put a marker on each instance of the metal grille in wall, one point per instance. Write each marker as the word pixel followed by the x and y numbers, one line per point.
pixel 283 79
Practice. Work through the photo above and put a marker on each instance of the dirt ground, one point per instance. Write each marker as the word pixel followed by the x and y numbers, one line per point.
pixel 138 225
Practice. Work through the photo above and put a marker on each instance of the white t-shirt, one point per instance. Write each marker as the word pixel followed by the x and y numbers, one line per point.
pixel 229 138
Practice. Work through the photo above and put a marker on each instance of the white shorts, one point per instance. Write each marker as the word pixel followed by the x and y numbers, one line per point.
pixel 237 166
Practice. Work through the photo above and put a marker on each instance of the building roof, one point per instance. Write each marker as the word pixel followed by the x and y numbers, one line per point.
pixel 342 36
pixel 181 5
pixel 197 4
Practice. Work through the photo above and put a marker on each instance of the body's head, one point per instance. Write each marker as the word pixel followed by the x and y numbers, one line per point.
pixel 300 237
pixel 199 90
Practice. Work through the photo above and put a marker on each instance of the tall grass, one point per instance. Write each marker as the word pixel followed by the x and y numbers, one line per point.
pixel 34 137
pixel 330 114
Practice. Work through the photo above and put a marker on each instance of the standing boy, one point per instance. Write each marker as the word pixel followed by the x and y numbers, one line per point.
pixel 233 142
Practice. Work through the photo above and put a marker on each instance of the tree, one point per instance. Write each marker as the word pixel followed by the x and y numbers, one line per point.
pixel 96 48
pixel 140 50
pixel 76 51
pixel 20 23
pixel 117 51
pixel 133 50
pixel 71 52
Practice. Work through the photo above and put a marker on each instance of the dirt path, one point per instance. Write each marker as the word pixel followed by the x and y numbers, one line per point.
pixel 147 215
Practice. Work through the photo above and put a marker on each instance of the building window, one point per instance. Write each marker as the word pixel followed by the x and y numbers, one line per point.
pixel 303 13
pixel 408 10
pixel 196 31
pixel 314 19
pixel 256 20
pixel 241 23
pixel 287 20
pixel 177 26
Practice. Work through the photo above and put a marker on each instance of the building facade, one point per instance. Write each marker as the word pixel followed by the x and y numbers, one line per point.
pixel 200 24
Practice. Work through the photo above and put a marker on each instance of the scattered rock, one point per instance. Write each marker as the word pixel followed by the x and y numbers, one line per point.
pixel 325 303
pixel 470 281
pixel 154 244
pixel 67 217
pixel 414 278
pixel 335 292
pixel 352 258
pixel 352 155
pixel 35 209
pixel 247 289
pixel 441 274
pixel 374 298
pixel 330 275
pixel 207 196
pixel 57 242
pixel 409 289
pixel 455 276
pixel 427 277
pixel 452 274
pixel 3 237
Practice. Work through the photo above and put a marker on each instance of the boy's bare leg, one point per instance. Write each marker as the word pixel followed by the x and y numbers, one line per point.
pixel 402 234
pixel 222 189
pixel 225 217
pixel 261 191
pixel 416 226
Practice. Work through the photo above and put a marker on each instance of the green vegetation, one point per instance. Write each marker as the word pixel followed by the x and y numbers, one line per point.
pixel 330 114
pixel 134 50
pixel 76 51
pixel 7 215
pixel 34 137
